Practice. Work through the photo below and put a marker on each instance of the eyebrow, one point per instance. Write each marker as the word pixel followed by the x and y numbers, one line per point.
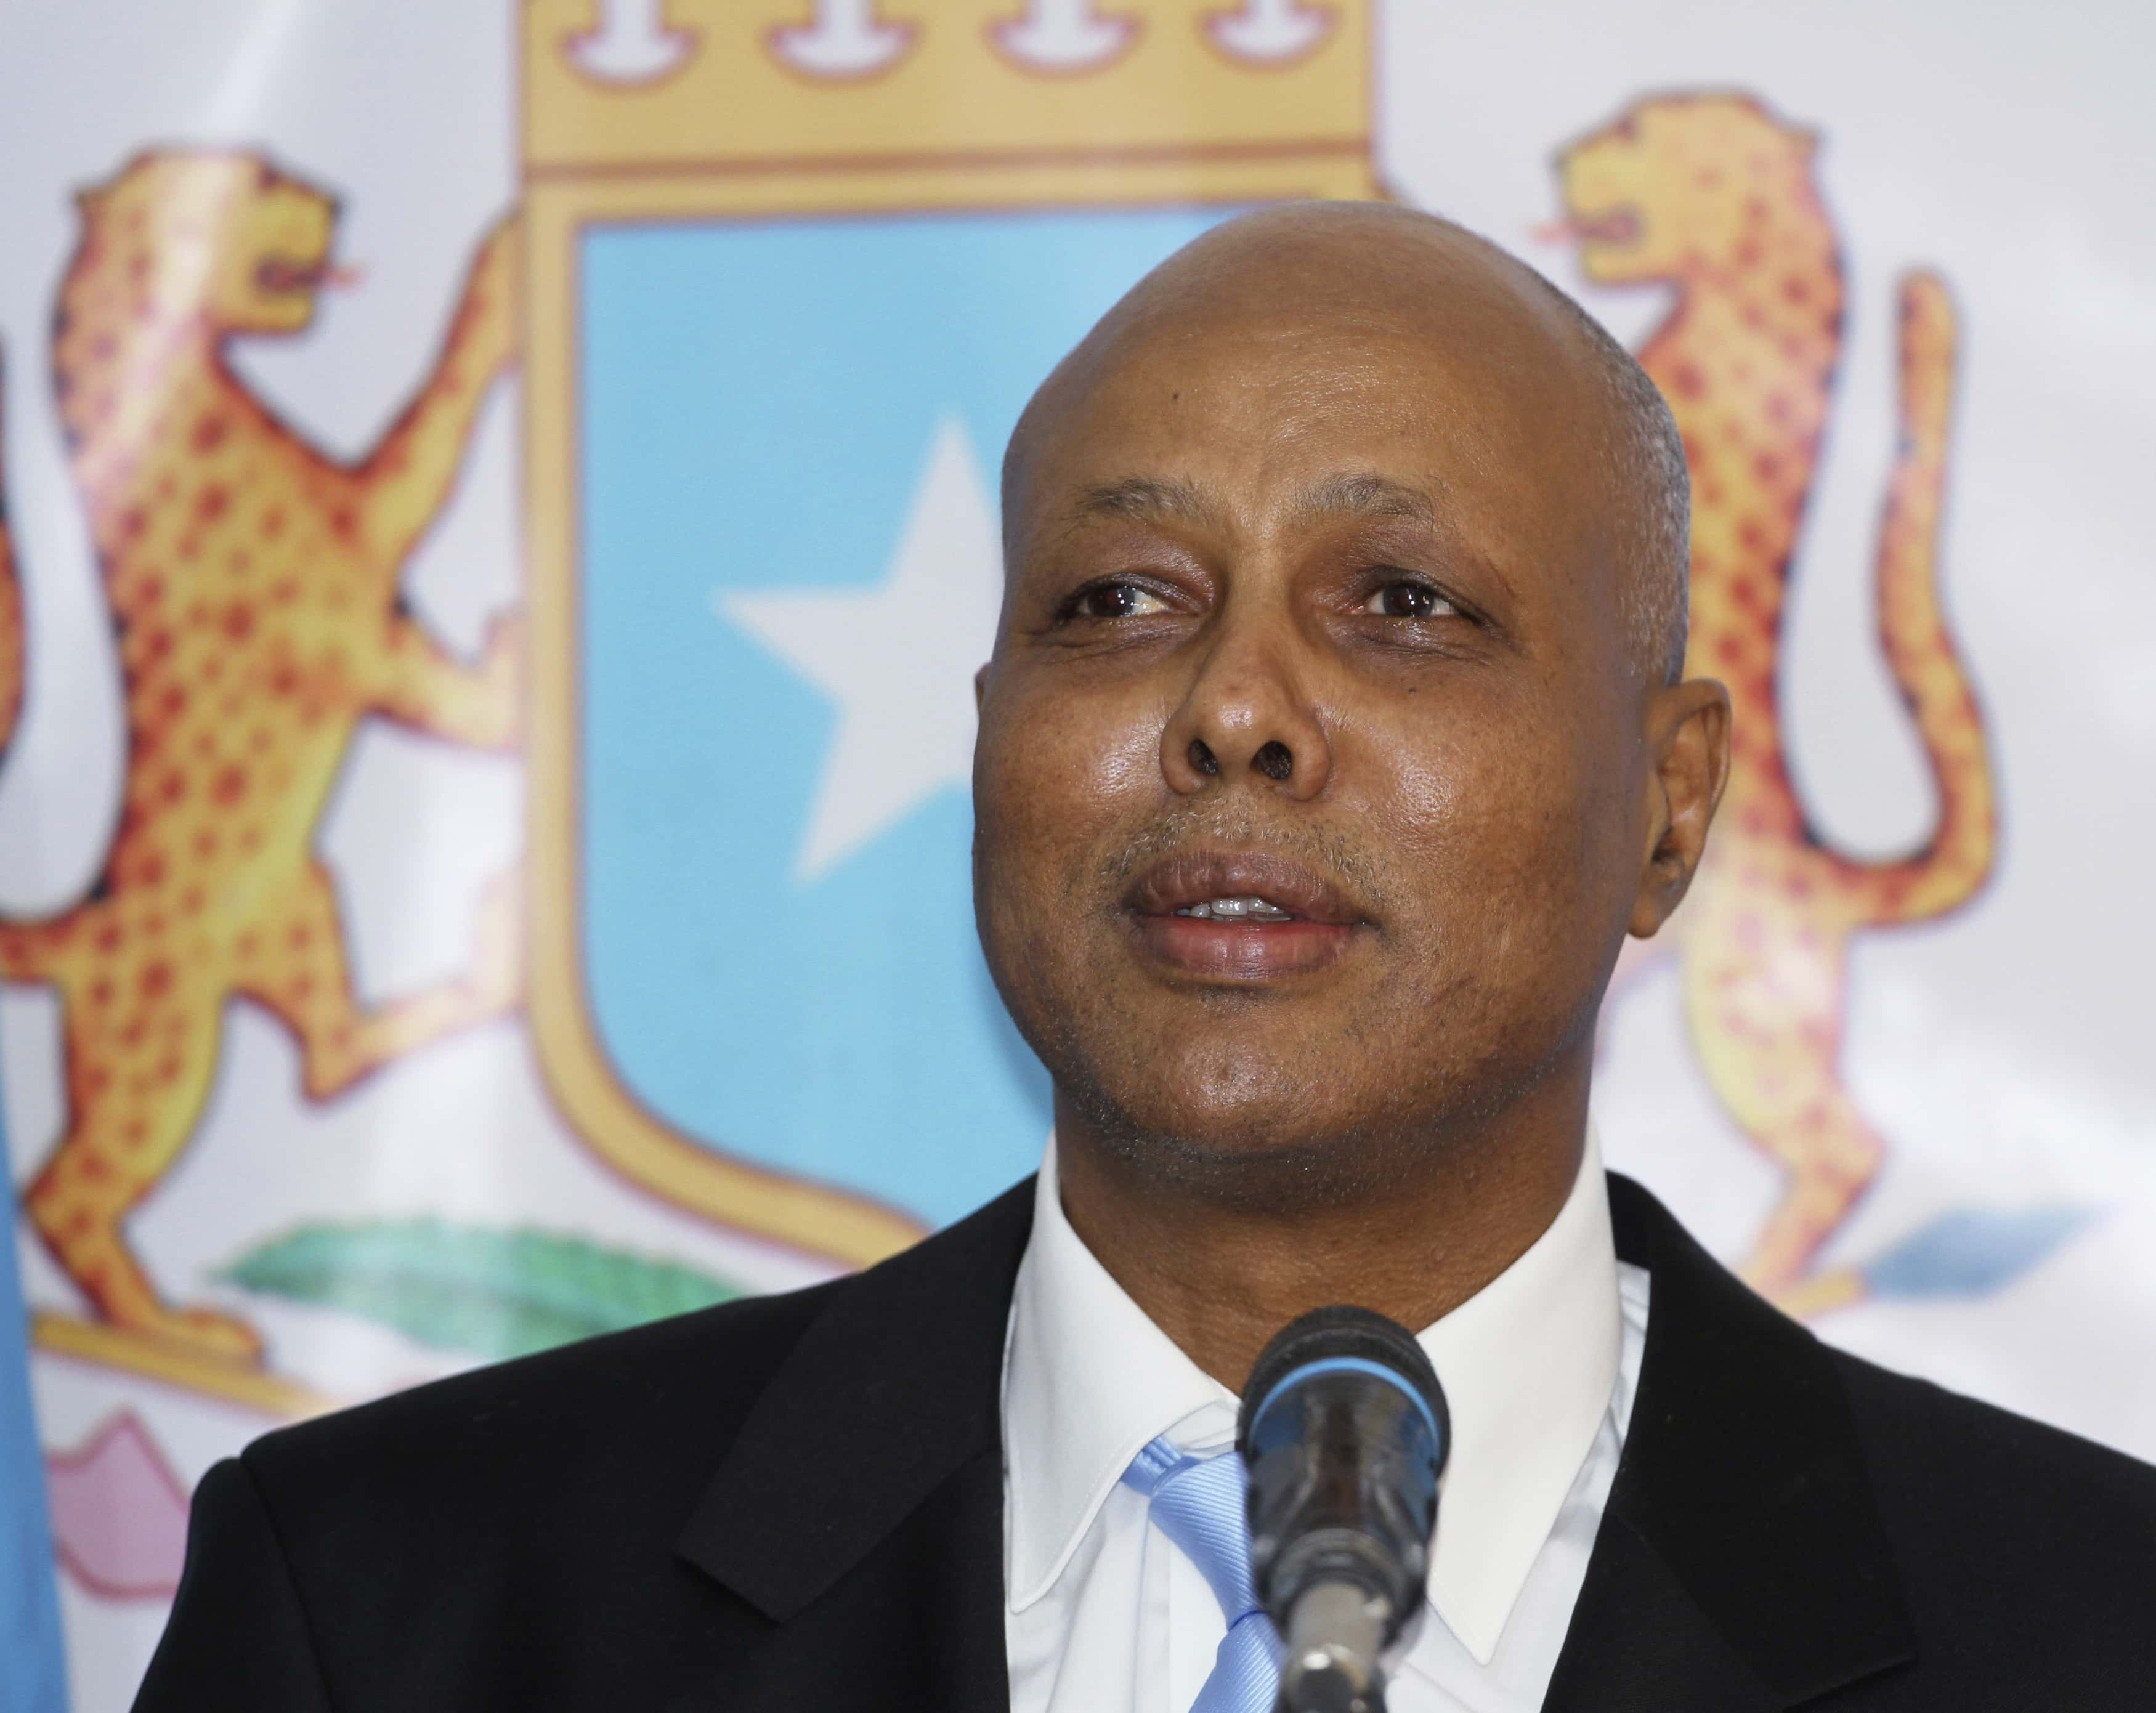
pixel 1145 498
pixel 1365 496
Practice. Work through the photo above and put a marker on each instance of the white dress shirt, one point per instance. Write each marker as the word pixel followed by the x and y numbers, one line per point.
pixel 1101 1614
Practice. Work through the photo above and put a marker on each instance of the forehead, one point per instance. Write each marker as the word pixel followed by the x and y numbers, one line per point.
pixel 1471 396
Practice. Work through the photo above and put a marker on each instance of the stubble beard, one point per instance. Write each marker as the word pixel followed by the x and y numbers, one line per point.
pixel 1287 1153
pixel 1286 1142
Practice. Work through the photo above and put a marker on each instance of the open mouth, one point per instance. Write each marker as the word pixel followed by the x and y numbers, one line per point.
pixel 1242 917
pixel 282 275
pixel 1236 909
pixel 1616 227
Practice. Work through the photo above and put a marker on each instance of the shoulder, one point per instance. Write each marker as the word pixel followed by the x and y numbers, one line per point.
pixel 653 1407
pixel 628 1427
pixel 2021 1558
pixel 1991 1514
pixel 538 1532
pixel 1937 1443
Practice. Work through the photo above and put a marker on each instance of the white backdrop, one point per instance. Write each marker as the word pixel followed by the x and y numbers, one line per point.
pixel 2003 1050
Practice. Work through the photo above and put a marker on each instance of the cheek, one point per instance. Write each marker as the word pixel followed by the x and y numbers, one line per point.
pixel 1060 781
pixel 1499 829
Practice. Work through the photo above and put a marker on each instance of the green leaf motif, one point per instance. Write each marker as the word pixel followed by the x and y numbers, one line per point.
pixel 493 1293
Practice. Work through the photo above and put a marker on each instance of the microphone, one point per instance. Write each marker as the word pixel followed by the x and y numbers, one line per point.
pixel 1344 1431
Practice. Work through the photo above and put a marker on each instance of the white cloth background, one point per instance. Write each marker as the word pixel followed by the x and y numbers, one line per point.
pixel 2003 1051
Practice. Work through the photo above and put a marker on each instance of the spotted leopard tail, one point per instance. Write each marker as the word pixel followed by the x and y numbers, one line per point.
pixel 1956 861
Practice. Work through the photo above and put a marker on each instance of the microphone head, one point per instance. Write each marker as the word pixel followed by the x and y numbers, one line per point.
pixel 1344 1430
pixel 1329 1335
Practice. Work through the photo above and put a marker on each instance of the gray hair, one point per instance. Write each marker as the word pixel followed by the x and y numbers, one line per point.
pixel 1647 457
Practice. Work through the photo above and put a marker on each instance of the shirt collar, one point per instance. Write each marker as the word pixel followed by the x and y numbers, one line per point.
pixel 1528 1365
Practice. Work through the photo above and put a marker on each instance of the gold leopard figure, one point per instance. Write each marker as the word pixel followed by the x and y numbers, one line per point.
pixel 254 587
pixel 1712 195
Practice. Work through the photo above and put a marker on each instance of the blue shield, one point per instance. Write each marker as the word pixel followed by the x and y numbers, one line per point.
pixel 788 443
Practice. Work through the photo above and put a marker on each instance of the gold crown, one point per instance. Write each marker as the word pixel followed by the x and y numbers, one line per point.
pixel 635 87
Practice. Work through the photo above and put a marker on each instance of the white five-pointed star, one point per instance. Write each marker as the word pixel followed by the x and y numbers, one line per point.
pixel 898 659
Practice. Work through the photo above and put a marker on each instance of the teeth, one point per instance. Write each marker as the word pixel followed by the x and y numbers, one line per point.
pixel 1236 909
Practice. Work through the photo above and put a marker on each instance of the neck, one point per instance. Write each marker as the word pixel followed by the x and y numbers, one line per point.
pixel 1220 1274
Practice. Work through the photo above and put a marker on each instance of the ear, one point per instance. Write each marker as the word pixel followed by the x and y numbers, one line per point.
pixel 1688 739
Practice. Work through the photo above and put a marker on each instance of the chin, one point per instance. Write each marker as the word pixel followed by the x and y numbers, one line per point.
pixel 1237 1132
pixel 1232 1086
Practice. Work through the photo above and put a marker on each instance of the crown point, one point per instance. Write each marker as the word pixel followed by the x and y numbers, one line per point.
pixel 1060 37
pixel 844 40
pixel 631 43
pixel 1270 32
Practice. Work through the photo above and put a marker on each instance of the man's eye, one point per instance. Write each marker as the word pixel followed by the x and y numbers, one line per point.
pixel 1115 601
pixel 1408 600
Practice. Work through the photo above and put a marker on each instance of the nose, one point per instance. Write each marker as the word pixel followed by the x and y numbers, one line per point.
pixel 1248 717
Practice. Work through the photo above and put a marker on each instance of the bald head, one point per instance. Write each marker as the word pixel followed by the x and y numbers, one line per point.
pixel 1329 272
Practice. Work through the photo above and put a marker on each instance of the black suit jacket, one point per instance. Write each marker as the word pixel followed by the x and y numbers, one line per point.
pixel 796 1502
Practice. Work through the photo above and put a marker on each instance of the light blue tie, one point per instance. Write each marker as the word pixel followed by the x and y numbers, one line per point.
pixel 1198 1502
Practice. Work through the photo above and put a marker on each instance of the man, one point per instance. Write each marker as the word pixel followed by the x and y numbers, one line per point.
pixel 1333 741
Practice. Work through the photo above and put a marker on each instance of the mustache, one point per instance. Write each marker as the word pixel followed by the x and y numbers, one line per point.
pixel 1333 853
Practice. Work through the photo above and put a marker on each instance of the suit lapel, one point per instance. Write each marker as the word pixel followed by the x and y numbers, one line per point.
pixel 1740 1563
pixel 1641 1643
pixel 860 1509
pixel 1740 1567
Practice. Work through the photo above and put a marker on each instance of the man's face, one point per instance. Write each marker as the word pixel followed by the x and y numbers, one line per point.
pixel 1309 782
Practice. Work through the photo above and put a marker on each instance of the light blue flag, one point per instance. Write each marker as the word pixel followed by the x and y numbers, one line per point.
pixel 32 1677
